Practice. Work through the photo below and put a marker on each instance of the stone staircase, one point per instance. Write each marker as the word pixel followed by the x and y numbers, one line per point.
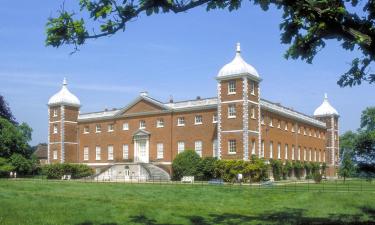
pixel 156 173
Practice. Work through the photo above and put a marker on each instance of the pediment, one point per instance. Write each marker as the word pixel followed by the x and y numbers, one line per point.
pixel 142 105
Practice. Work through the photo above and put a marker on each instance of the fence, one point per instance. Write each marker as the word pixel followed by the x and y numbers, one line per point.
pixel 337 185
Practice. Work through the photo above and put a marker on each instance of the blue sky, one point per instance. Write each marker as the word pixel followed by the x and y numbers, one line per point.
pixel 166 54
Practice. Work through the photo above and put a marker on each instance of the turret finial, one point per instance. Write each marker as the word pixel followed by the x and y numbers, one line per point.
pixel 65 83
pixel 238 48
pixel 325 96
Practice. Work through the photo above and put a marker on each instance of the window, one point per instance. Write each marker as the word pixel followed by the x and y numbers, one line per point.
pixel 198 119
pixel 55 128
pixel 160 123
pixel 142 124
pixel 55 154
pixel 299 153
pixel 232 111
pixel 180 146
pixel 262 119
pixel 310 133
pixel 98 128
pixel 279 124
pixel 286 126
pixel 271 122
pixel 315 133
pixel 304 154
pixel 304 131
pixel 110 128
pixel 252 87
pixel 214 118
pixel 54 112
pixel 232 148
pixel 253 147
pixel 279 151
pixel 262 149
pixel 271 150
pixel 319 156
pixel 293 128
pixel 97 153
pixel 180 121
pixel 324 156
pixel 110 152
pixel 293 152
pixel 125 126
pixel 299 130
pixel 232 87
pixel 198 148
pixel 315 155
pixel 319 135
pixel 159 150
pixel 310 154
pixel 215 148
pixel 125 151
pixel 252 112
pixel 286 152
pixel 86 130
pixel 86 153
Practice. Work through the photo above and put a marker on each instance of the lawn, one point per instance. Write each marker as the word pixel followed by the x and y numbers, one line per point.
pixel 69 202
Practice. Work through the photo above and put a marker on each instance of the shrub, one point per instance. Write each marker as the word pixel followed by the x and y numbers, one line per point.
pixel 276 169
pixel 185 164
pixel 297 166
pixel 56 171
pixel 206 168
pixel 5 167
pixel 317 178
pixel 22 165
pixel 287 170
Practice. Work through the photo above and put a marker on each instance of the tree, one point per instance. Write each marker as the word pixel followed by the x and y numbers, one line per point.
pixel 346 167
pixel 347 141
pixel 14 139
pixel 5 111
pixel 185 164
pixel 5 167
pixel 368 119
pixel 21 164
pixel 306 25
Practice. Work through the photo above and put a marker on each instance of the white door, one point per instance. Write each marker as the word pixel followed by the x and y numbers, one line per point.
pixel 142 150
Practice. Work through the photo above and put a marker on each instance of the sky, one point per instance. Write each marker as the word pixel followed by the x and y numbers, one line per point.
pixel 167 55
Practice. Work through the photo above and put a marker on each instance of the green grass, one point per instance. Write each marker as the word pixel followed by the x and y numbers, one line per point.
pixel 69 202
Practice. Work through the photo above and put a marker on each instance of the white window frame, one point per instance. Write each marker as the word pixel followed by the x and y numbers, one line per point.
pixel 293 128
pixel 232 111
pixel 262 119
pixel 293 152
pixel 214 118
pixel 253 147
pixel 279 124
pixel 279 151
pixel 232 147
pixel 142 124
pixel 55 113
pixel 271 149
pixel 125 151
pixel 125 126
pixel 252 87
pixel 262 149
pixel 55 129
pixel 299 153
pixel 160 123
pixel 286 151
pixel 310 154
pixel 85 153
pixel 98 153
pixel 180 147
pixel 159 150
pixel 198 146
pixel 198 120
pixel 270 122
pixel 86 129
pixel 231 87
pixel 110 152
pixel 181 121
pixel 98 128
pixel 54 154
pixel 111 127
pixel 304 154
pixel 286 126
pixel 252 112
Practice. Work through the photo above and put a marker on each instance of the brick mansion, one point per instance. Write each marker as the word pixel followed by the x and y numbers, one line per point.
pixel 142 138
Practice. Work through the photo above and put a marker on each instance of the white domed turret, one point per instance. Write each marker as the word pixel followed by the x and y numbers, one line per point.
pixel 237 66
pixel 64 97
pixel 325 109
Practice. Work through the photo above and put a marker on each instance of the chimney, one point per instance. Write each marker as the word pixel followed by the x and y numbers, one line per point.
pixel 170 99
pixel 144 93
pixel 198 97
pixel 105 109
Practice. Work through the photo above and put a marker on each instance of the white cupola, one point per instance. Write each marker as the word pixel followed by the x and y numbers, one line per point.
pixel 325 109
pixel 237 67
pixel 64 97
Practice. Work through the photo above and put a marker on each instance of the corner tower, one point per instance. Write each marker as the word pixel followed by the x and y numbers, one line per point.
pixel 238 95
pixel 63 110
pixel 329 115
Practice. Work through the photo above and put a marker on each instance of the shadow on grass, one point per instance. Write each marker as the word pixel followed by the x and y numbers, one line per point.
pixel 288 216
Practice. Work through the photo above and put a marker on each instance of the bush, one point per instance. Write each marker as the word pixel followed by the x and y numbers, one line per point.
pixel 185 164
pixel 298 166
pixel 22 165
pixel 276 169
pixel 206 168
pixel 287 170
pixel 5 167
pixel 317 178
pixel 56 171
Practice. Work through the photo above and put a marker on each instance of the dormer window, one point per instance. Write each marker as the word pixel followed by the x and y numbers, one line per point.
pixel 198 119
pixel 180 121
pixel 160 123
pixel 142 124
pixel 232 87
pixel 232 111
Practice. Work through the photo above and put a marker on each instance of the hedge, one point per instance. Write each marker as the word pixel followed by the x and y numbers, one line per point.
pixel 56 171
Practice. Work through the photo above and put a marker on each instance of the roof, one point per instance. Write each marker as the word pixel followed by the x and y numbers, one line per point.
pixel 41 151
pixel 325 109
pixel 238 66
pixel 201 104
pixel 64 97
